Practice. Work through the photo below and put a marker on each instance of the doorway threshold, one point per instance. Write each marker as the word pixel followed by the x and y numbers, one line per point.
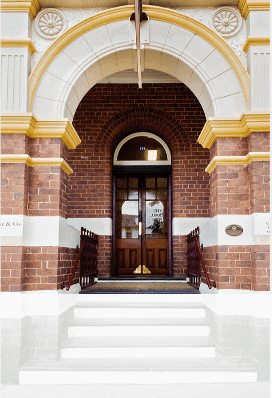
pixel 140 287
pixel 143 278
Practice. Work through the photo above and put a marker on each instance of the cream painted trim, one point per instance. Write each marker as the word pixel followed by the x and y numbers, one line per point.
pixel 124 12
pixel 238 160
pixel 26 123
pixel 233 127
pixel 35 162
pixel 19 43
pixel 142 162
pixel 253 5
pixel 256 41
pixel 32 7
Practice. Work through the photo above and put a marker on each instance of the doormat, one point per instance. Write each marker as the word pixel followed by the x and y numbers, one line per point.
pixel 140 288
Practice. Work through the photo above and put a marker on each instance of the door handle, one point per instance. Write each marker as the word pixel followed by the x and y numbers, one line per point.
pixel 140 228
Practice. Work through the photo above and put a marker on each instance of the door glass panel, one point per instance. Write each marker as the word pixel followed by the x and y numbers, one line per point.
pixel 150 182
pixel 162 182
pixel 121 194
pixel 127 219
pixel 132 194
pixel 121 183
pixel 142 148
pixel 127 208
pixel 150 194
pixel 156 216
pixel 162 194
pixel 133 183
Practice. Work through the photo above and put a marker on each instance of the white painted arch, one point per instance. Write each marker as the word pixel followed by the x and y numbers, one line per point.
pixel 107 49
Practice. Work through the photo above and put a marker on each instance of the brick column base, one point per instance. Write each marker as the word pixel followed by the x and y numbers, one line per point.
pixel 238 267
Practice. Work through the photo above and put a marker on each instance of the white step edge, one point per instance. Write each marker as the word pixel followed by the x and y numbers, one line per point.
pixel 133 377
pixel 139 313
pixel 138 352
pixel 157 330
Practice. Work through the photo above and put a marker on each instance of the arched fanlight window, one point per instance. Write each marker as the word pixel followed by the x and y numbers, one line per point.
pixel 142 149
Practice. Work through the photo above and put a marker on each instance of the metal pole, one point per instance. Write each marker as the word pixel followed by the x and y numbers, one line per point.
pixel 138 42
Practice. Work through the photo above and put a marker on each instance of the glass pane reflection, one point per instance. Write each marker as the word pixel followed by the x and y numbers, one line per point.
pixel 156 219
pixel 150 194
pixel 127 219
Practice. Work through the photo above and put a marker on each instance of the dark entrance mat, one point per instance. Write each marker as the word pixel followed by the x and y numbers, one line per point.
pixel 140 288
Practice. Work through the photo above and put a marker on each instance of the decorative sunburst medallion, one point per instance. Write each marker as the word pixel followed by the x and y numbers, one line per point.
pixel 227 21
pixel 50 23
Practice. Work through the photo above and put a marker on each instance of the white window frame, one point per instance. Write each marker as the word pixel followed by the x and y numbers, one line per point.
pixel 141 162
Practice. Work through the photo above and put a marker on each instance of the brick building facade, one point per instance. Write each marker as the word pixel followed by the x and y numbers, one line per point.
pixel 73 102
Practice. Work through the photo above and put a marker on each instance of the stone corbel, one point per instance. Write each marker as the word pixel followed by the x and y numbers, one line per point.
pixel 28 124
pixel 233 127
pixel 31 6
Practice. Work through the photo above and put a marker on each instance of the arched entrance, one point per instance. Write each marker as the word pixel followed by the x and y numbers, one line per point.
pixel 142 227
pixel 103 44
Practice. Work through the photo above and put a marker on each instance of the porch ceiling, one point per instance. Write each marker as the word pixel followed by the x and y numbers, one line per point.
pixel 116 3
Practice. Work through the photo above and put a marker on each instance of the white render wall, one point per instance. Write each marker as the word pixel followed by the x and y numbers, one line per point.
pixel 15 62
pixel 258 61
pixel 15 69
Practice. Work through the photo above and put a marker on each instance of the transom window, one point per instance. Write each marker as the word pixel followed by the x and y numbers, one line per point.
pixel 142 149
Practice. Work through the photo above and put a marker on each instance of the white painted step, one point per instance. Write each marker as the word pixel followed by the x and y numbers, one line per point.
pixel 96 313
pixel 154 330
pixel 146 341
pixel 133 377
pixel 138 352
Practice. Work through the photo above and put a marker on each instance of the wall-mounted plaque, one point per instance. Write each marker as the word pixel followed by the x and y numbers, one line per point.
pixel 234 230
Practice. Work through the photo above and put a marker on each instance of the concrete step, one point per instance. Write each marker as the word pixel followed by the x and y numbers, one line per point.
pixel 135 341
pixel 138 312
pixel 139 321
pixel 133 377
pixel 140 364
pixel 135 330
pixel 136 371
pixel 138 352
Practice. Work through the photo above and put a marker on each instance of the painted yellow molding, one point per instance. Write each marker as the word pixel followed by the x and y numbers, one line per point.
pixel 124 12
pixel 253 5
pixel 233 127
pixel 256 41
pixel 36 162
pixel 31 6
pixel 238 160
pixel 19 43
pixel 16 123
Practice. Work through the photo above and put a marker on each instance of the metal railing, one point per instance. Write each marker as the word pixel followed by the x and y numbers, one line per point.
pixel 195 260
pixel 87 258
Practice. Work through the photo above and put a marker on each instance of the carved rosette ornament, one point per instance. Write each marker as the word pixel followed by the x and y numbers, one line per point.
pixel 50 23
pixel 227 21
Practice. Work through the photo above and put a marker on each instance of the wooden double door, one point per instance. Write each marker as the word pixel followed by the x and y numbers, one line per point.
pixel 142 225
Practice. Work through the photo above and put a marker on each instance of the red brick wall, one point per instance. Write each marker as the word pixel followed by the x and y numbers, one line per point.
pixel 229 190
pixel 14 188
pixel 13 263
pixel 261 267
pixel 36 268
pixel 238 267
pixel 105 116
pixel 259 176
pixel 104 256
pixel 33 191
pixel 48 190
pixel 110 112
pixel 180 265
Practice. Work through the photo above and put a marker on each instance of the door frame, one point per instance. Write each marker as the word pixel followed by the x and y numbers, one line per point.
pixel 125 170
